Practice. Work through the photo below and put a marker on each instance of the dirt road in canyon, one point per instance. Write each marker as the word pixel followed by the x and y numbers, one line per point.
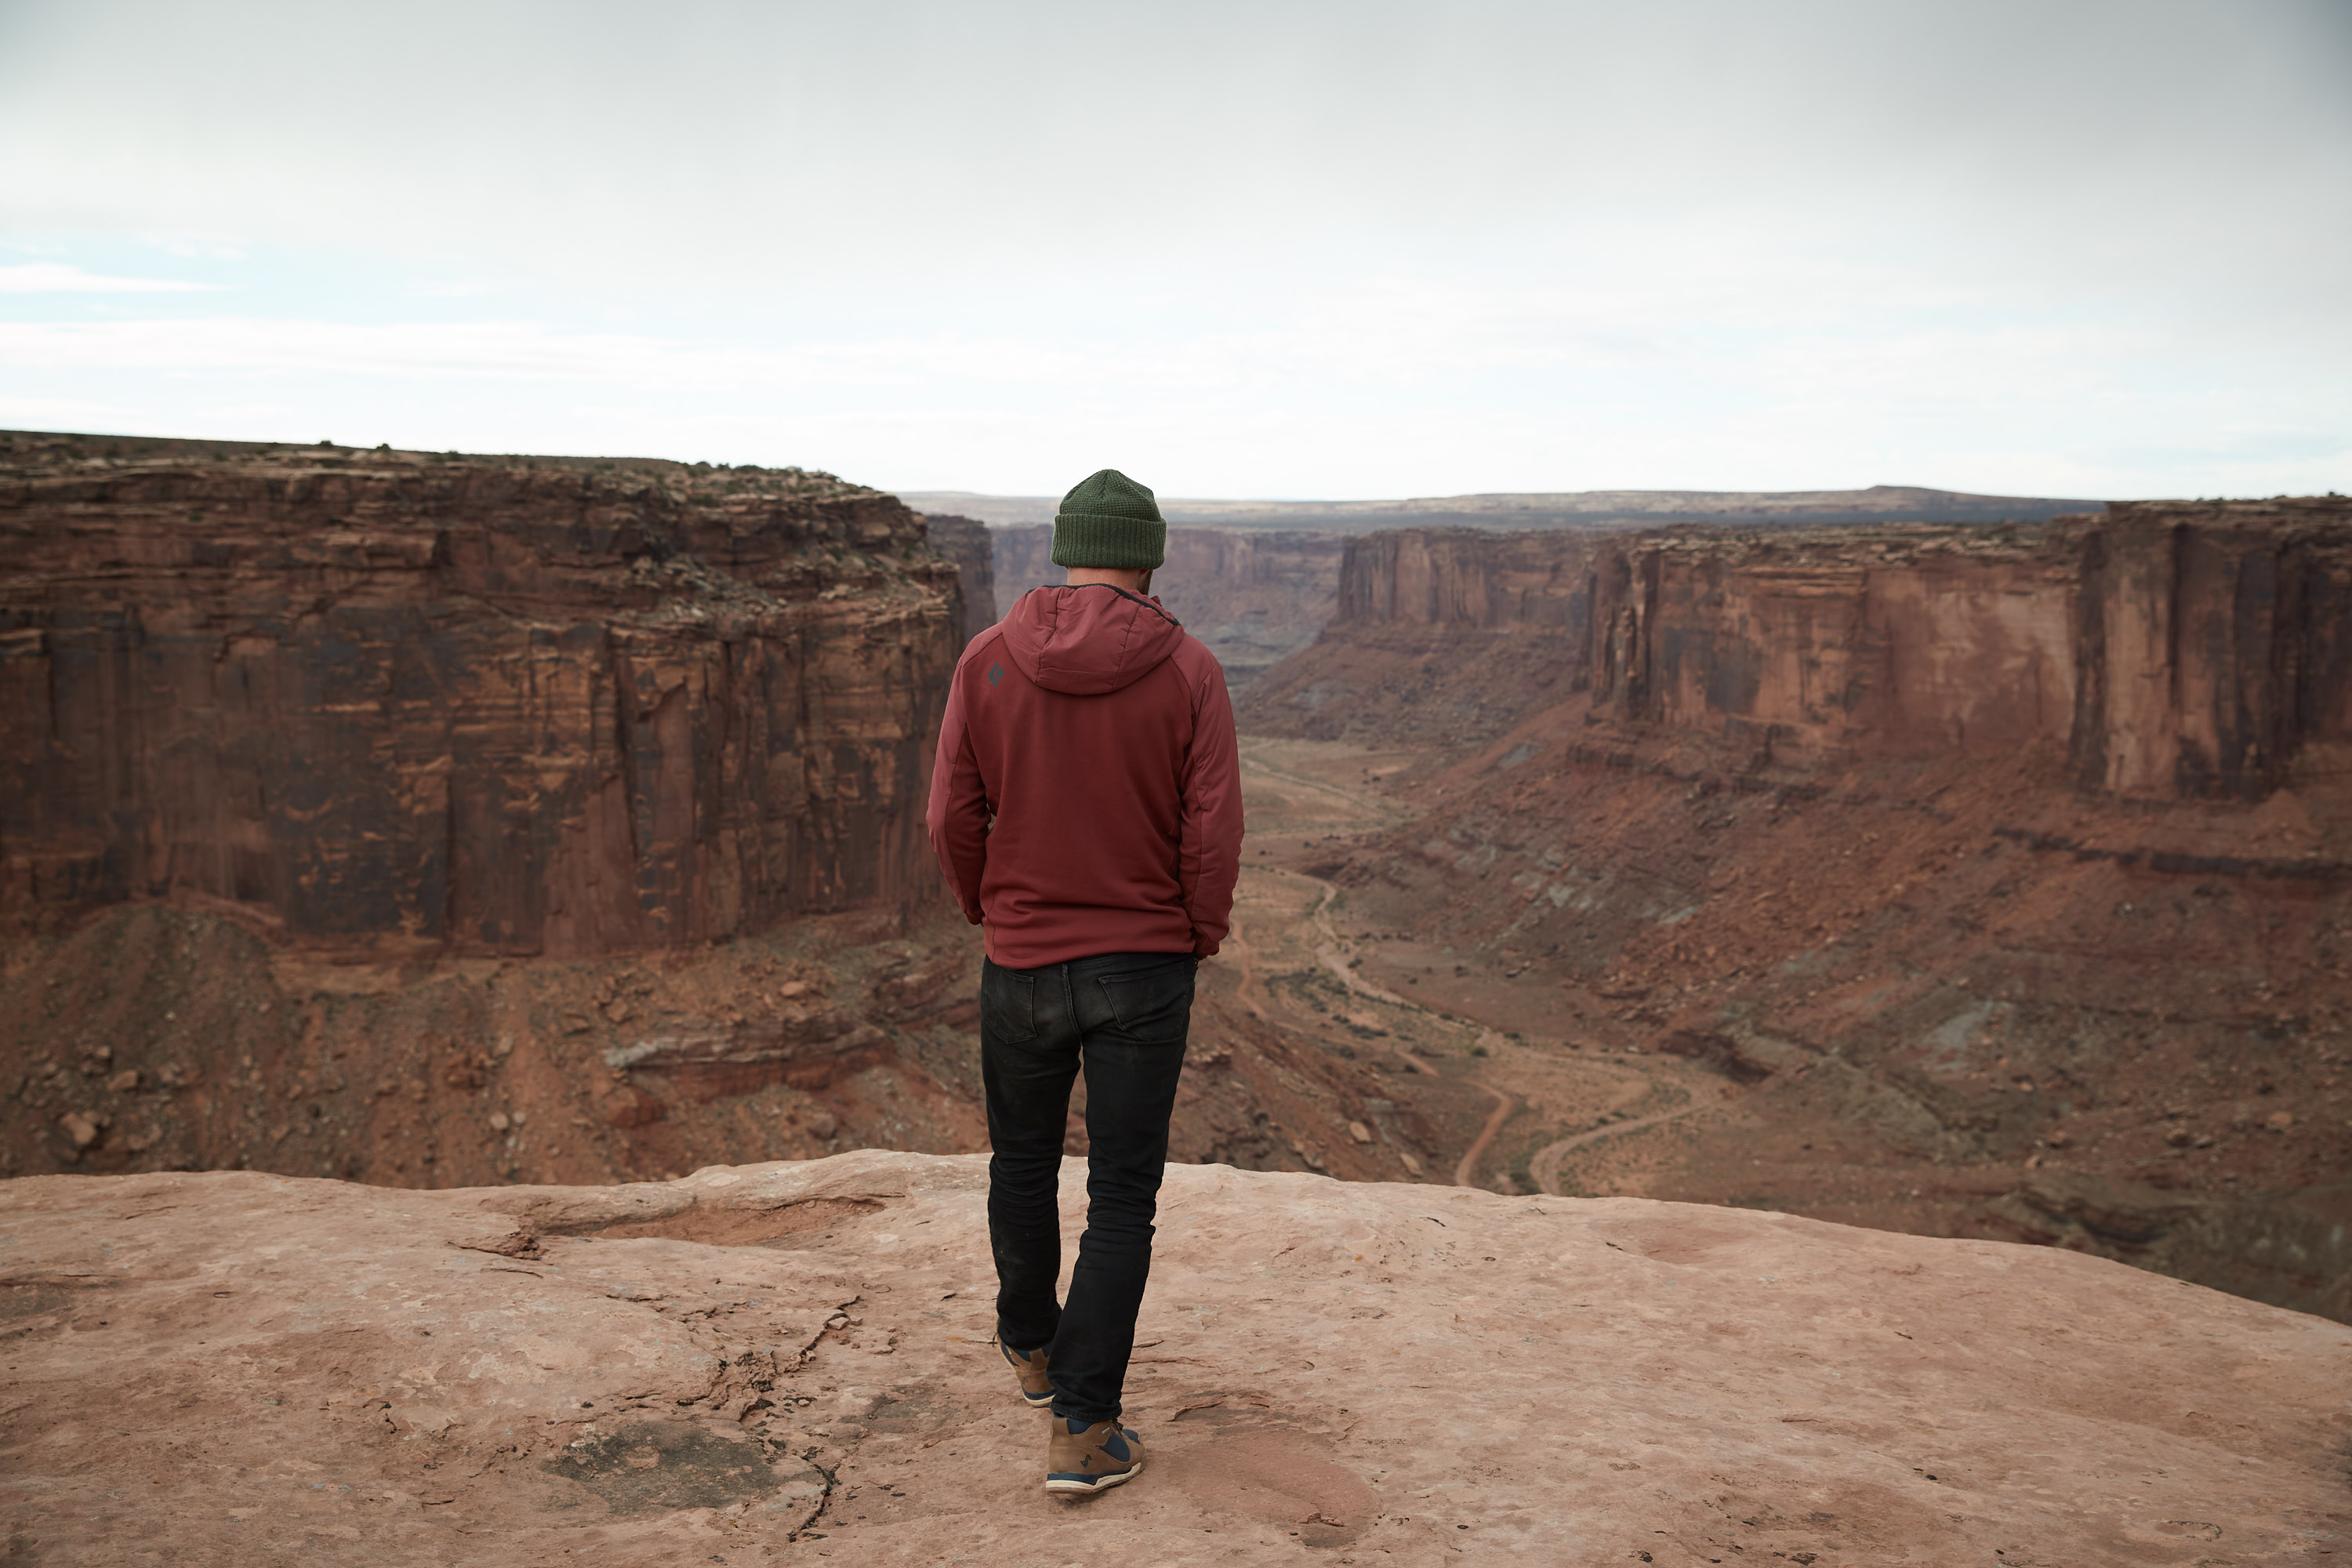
pixel 1513 1091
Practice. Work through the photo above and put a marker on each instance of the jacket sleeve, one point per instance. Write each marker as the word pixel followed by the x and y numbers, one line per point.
pixel 958 814
pixel 1212 857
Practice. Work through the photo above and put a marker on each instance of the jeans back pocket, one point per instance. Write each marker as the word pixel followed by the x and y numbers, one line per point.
pixel 1008 1006
pixel 1154 1006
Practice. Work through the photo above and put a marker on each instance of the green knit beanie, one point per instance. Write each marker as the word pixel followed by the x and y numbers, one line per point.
pixel 1109 520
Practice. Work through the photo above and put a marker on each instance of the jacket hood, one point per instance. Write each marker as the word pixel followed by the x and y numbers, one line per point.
pixel 1088 640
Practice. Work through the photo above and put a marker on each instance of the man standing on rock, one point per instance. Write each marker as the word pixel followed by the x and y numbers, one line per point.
pixel 1086 807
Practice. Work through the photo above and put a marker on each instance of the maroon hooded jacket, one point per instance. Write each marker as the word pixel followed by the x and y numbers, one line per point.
pixel 1087 798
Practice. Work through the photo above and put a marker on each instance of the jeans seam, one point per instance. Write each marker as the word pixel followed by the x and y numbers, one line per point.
pixel 1156 970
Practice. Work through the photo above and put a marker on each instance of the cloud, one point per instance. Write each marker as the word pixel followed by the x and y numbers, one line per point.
pixel 512 351
pixel 1396 388
pixel 739 143
pixel 44 412
pixel 63 277
pixel 1327 248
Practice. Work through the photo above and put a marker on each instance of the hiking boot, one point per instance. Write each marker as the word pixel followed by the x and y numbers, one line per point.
pixel 1090 1458
pixel 1036 1390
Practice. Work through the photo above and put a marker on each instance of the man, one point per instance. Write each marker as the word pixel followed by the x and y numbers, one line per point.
pixel 1086 808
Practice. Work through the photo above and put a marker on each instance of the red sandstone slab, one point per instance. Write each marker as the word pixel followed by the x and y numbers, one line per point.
pixel 790 1363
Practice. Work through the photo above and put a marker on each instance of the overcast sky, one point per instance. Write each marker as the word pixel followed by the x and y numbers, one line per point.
pixel 1332 249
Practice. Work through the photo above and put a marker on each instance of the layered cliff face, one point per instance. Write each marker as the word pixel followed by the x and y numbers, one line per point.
pixel 1551 509
pixel 2215 644
pixel 435 820
pixel 2003 879
pixel 1469 579
pixel 965 542
pixel 1905 644
pixel 1254 597
pixel 386 702
pixel 2176 649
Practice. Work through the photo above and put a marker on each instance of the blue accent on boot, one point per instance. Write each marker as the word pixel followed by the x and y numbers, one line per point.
pixel 1018 1361
pixel 1115 1445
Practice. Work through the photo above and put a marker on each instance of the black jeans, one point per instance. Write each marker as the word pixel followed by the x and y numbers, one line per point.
pixel 1122 1017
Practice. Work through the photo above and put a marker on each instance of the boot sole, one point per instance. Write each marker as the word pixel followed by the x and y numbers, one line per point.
pixel 1037 1401
pixel 1087 1489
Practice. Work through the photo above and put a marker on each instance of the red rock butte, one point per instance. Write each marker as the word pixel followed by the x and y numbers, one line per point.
pixel 2177 649
pixel 392 703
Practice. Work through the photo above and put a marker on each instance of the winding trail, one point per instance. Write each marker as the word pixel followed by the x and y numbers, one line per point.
pixel 1332 953
pixel 1465 1174
pixel 1333 956
pixel 1245 960
pixel 1544 1166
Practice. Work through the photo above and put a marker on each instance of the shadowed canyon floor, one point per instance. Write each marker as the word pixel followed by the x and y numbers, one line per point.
pixel 790 1363
pixel 2003 872
pixel 1743 997
pixel 1385 1012
pixel 834 1033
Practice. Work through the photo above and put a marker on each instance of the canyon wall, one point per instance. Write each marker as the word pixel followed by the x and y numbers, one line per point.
pixel 2214 643
pixel 1474 578
pixel 1550 509
pixel 1907 642
pixel 396 702
pixel 1254 597
pixel 965 542
pixel 441 821
pixel 2174 649
pixel 2002 876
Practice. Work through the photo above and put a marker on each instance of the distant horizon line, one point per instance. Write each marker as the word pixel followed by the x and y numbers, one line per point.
pixel 1014 507
pixel 1555 509
pixel 1802 492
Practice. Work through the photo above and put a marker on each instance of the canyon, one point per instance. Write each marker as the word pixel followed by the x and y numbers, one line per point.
pixel 342 785
pixel 435 821
pixel 1255 597
pixel 1997 878
pixel 1545 510
pixel 424 819
pixel 2175 650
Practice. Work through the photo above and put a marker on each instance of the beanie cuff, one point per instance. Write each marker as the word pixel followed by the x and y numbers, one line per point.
pixel 1106 540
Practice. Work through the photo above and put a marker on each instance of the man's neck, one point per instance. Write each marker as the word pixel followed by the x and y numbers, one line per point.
pixel 1115 576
